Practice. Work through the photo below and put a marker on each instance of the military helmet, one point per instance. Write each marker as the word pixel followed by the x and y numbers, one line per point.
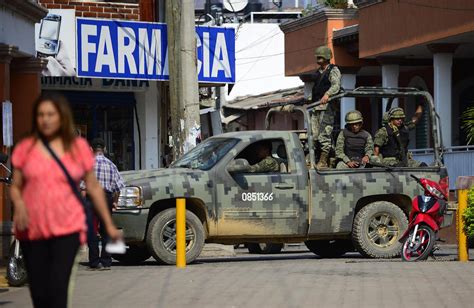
pixel 323 52
pixel 396 113
pixel 353 117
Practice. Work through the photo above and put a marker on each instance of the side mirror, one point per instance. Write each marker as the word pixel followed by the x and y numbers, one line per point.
pixel 238 166
pixel 3 158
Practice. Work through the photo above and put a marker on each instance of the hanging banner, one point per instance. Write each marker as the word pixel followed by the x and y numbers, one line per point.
pixel 139 50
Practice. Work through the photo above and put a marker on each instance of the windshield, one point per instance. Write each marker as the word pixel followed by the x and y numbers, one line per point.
pixel 206 155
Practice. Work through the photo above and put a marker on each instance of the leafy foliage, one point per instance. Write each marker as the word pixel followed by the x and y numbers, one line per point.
pixel 468 215
pixel 336 4
pixel 468 124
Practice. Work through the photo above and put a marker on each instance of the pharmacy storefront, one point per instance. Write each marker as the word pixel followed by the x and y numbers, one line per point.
pixel 109 72
pixel 122 112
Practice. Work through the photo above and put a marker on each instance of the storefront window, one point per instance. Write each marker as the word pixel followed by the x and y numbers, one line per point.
pixel 108 115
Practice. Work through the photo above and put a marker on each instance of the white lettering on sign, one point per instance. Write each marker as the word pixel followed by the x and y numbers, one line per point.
pixel 126 46
pixel 220 52
pixel 137 50
pixel 149 54
pixel 105 52
pixel 87 30
pixel 205 53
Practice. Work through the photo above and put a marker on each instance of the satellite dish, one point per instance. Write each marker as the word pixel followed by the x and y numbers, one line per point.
pixel 235 5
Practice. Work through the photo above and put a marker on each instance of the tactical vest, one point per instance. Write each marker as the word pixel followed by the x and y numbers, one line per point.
pixel 396 143
pixel 321 83
pixel 354 144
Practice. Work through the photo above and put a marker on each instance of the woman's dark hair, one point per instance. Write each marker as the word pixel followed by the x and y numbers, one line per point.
pixel 67 130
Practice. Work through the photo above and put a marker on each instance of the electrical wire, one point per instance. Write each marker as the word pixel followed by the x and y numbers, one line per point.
pixel 261 39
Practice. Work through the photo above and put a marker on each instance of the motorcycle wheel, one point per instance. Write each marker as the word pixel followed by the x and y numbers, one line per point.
pixel 422 247
pixel 16 269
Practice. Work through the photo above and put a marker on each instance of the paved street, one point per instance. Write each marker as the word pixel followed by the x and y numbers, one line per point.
pixel 293 279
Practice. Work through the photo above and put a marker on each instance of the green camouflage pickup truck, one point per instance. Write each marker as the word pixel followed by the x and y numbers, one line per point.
pixel 332 211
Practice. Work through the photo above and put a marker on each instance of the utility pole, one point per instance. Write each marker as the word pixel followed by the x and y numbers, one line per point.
pixel 184 98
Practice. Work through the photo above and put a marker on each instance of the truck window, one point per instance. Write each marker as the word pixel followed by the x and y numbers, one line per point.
pixel 205 155
pixel 277 153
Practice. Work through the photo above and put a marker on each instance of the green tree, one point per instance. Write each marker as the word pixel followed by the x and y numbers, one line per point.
pixel 468 215
pixel 336 4
pixel 468 124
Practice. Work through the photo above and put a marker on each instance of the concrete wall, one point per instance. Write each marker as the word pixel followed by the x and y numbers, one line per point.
pixel 148 115
pixel 17 30
pixel 301 43
pixel 392 24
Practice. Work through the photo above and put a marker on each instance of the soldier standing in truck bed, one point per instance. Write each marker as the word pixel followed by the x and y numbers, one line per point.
pixel 391 141
pixel 326 85
pixel 354 146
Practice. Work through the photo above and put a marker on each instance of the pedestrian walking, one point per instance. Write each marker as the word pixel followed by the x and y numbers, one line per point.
pixel 326 85
pixel 111 181
pixel 48 215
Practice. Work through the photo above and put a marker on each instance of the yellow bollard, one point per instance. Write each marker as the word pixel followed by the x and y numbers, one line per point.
pixel 463 184
pixel 463 253
pixel 181 233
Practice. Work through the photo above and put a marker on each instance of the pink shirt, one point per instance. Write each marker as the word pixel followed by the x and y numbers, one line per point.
pixel 53 208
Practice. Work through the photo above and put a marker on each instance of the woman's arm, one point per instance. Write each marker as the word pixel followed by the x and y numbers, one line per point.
pixel 96 193
pixel 20 214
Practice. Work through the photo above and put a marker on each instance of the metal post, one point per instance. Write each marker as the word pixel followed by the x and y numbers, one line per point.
pixel 463 253
pixel 181 233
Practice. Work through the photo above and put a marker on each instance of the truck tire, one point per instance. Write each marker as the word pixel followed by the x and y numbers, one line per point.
pixel 161 237
pixel 264 248
pixel 134 255
pixel 377 228
pixel 329 248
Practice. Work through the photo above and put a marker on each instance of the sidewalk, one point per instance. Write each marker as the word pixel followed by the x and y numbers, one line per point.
pixel 292 279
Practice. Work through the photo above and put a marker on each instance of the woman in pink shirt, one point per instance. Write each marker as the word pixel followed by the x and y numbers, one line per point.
pixel 49 219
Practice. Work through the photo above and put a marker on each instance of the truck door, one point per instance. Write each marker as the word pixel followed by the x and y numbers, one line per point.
pixel 265 203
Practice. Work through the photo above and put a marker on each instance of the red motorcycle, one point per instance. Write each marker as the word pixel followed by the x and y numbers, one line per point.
pixel 425 219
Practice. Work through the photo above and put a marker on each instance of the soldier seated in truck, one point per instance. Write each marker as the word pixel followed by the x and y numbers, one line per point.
pixel 354 146
pixel 266 162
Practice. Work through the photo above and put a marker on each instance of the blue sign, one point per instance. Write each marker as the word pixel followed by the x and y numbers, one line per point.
pixel 139 50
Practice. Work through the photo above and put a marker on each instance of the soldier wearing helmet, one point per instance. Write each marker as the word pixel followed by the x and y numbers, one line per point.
pixel 354 146
pixel 391 141
pixel 326 84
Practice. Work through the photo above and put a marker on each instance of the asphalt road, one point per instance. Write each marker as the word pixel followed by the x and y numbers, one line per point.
pixel 295 278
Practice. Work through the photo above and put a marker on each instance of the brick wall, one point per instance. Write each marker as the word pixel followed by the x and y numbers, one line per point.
pixel 128 11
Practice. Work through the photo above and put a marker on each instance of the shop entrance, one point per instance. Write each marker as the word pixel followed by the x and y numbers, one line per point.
pixel 108 115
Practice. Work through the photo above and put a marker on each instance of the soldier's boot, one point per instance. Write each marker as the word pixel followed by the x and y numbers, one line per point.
pixel 323 161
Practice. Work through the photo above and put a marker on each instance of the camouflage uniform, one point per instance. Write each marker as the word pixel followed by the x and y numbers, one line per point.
pixel 268 164
pixel 322 117
pixel 341 155
pixel 381 139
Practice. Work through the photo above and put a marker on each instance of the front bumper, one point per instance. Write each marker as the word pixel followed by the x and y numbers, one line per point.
pixel 132 223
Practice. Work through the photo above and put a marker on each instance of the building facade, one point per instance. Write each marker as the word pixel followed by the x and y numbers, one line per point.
pixel 125 113
pixel 18 67
pixel 428 45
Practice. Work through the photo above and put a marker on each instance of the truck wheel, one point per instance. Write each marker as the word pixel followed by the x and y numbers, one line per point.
pixel 161 237
pixel 329 249
pixel 264 248
pixel 134 255
pixel 377 229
